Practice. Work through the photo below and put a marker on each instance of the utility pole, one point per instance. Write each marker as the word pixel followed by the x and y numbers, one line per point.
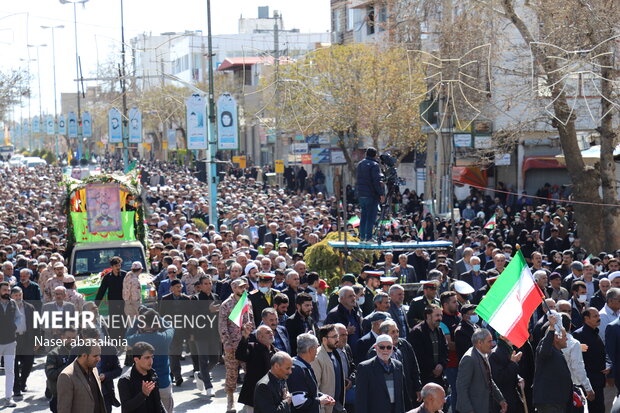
pixel 55 94
pixel 211 138
pixel 276 68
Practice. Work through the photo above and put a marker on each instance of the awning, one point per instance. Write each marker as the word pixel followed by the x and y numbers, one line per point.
pixel 541 162
pixel 233 63
pixel 469 175
pixel 590 156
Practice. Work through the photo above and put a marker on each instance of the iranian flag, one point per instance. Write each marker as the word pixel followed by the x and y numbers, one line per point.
pixel 242 307
pixel 509 304
pixel 355 221
pixel 491 223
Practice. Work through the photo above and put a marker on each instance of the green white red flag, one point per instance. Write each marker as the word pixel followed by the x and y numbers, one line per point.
pixel 354 221
pixel 242 307
pixel 491 223
pixel 509 304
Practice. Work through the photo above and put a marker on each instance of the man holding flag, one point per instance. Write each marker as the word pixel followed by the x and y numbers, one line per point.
pixel 235 312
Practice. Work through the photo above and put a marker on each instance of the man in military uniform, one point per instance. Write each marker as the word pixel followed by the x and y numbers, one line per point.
pixel 262 297
pixel 418 304
pixel 370 290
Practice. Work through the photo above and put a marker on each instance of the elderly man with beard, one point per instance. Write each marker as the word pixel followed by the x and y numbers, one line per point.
pixel 381 372
pixel 257 358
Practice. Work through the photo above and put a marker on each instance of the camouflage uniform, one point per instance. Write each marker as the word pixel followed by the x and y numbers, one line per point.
pixel 45 275
pixel 77 299
pixel 231 335
pixel 50 285
pixel 189 281
pixel 132 294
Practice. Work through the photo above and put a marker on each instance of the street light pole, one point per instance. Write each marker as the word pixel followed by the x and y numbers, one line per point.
pixel 30 146
pixel 212 142
pixel 37 46
pixel 124 93
pixel 54 70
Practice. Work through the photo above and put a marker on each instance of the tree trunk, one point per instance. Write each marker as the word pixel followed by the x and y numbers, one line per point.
pixel 342 144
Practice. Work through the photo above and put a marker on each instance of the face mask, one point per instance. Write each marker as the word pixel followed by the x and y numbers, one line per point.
pixel 46 234
pixel 507 255
pixel 282 265
pixel 582 298
pixel 571 239
pixel 361 300
pixel 215 277
pixel 599 268
pixel 263 290
pixel 474 318
pixel 10 256
pixel 476 267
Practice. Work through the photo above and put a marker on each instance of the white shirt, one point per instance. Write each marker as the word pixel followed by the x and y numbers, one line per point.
pixel 574 359
pixel 607 316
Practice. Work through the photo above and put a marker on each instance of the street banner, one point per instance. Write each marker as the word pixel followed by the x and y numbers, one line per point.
pixel 279 166
pixel 196 125
pixel 25 128
pixel 115 128
pixel 227 123
pixel 62 125
pixel 49 125
pixel 87 125
pixel 72 125
pixel 135 125
pixel 36 125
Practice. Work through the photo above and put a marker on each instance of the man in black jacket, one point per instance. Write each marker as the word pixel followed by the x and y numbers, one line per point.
pixel 137 388
pixel 465 329
pixel 553 387
pixel 594 358
pixel 271 394
pixel 9 317
pixel 57 359
pixel 172 305
pixel 300 322
pixel 112 283
pixel 422 338
pixel 370 192
pixel 348 314
pixel 24 350
pixel 208 349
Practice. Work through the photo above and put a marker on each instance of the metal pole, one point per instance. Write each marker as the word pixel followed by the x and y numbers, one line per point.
pixel 55 100
pixel 40 106
pixel 77 72
pixel 124 93
pixel 212 143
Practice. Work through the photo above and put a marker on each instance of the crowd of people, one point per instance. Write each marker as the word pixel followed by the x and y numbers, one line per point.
pixel 402 335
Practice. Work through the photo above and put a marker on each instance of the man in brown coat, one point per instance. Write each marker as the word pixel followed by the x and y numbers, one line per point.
pixel 79 389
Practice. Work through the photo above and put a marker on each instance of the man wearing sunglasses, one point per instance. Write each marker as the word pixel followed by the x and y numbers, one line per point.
pixel 380 381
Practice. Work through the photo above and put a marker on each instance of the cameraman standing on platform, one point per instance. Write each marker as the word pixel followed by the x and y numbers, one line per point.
pixel 369 192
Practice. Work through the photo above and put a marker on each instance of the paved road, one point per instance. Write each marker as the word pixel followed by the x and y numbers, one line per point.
pixel 186 397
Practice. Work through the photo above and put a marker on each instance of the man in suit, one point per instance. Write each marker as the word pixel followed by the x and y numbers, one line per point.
pixel 475 385
pixel 433 399
pixel 553 387
pixel 292 281
pixel 425 338
pixel 281 340
pixel 594 359
pixel 271 394
pixel 367 341
pixel 612 347
pixel 405 271
pixel 79 389
pixel 474 277
pixel 301 322
pixel 380 381
pixel 172 305
pixel 465 329
pixel 302 383
pixel 328 368
pixel 25 334
pixel 381 303
pixel 397 297
pixel 464 265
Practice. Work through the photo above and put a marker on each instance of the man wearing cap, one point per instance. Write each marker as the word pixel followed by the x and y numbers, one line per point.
pixel 449 321
pixel 418 304
pixel 370 290
pixel 262 297
pixel 555 289
pixel 465 329
pixel 576 273
pixel 77 299
pixel 230 334
pixel 380 381
pixel 463 291
pixel 132 290
pixel 367 341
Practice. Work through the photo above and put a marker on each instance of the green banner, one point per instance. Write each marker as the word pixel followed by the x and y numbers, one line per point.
pixel 82 235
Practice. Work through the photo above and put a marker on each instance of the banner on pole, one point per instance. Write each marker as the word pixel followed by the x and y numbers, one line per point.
pixel 62 125
pixel 87 125
pixel 227 123
pixel 115 128
pixel 49 125
pixel 36 125
pixel 135 125
pixel 72 126
pixel 196 124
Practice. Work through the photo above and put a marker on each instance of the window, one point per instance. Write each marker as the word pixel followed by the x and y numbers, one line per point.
pixel 350 18
pixel 382 19
pixel 337 20
pixel 370 20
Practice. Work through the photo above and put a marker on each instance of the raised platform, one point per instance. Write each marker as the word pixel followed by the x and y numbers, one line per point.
pixel 389 246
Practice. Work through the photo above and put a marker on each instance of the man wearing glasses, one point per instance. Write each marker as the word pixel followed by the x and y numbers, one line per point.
pixel 328 368
pixel 164 286
pixel 381 372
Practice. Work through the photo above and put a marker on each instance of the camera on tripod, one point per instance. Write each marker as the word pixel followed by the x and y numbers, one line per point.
pixel 390 175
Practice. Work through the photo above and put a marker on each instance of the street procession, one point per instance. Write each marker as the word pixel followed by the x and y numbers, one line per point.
pixel 282 206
